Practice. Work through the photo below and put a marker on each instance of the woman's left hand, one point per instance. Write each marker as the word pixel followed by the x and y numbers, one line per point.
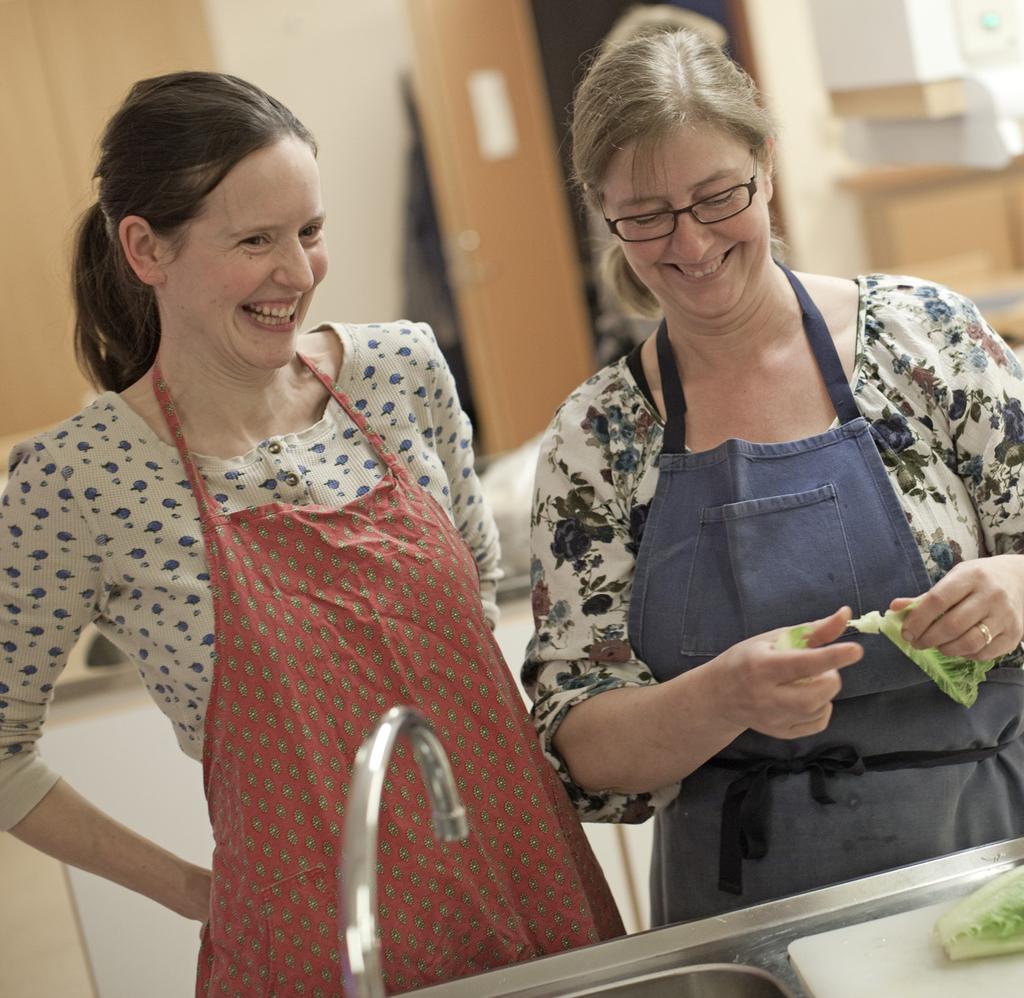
pixel 975 611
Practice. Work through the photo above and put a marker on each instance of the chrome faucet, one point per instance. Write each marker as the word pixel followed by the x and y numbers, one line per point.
pixel 358 889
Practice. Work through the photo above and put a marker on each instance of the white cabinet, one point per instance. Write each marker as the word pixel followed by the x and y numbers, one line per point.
pixel 120 753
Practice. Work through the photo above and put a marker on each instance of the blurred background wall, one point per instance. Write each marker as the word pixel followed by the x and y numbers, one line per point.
pixel 443 152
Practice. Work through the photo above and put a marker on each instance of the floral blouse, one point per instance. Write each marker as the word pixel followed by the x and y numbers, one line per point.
pixel 942 393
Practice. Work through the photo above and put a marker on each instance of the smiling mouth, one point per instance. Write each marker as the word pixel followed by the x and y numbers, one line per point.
pixel 707 269
pixel 267 315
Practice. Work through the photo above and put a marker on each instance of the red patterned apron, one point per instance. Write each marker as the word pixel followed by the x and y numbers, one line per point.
pixel 325 619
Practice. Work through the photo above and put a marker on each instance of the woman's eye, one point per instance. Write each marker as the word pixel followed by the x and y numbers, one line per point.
pixel 718 200
pixel 312 231
pixel 643 220
pixel 255 241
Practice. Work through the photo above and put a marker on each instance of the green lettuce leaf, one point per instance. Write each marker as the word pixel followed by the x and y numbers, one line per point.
pixel 793 638
pixel 957 677
pixel 987 922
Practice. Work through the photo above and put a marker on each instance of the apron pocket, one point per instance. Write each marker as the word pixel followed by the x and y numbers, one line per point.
pixel 781 560
pixel 300 920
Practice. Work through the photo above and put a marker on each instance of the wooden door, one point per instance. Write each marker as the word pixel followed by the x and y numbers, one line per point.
pixel 66 66
pixel 503 212
pixel 38 380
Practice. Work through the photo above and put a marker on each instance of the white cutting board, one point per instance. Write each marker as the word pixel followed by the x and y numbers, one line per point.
pixel 897 957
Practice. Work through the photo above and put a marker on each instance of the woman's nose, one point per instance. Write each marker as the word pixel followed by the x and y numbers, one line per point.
pixel 295 269
pixel 691 240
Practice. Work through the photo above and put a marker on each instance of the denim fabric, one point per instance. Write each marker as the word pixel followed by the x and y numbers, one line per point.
pixel 748 537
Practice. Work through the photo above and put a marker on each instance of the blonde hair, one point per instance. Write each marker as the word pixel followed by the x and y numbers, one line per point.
pixel 642 91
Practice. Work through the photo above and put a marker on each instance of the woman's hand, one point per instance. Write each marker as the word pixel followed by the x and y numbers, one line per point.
pixel 976 610
pixel 640 739
pixel 68 827
pixel 785 693
pixel 197 897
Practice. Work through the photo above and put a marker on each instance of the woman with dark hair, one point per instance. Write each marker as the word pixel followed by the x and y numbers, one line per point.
pixel 285 533
pixel 841 444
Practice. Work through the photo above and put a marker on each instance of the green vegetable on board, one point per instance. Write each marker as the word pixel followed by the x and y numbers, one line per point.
pixel 988 922
pixel 957 677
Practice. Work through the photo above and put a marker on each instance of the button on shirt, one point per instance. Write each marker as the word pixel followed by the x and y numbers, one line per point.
pixel 282 462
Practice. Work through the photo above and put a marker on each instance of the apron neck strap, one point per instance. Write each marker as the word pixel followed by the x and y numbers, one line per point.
pixel 208 509
pixel 825 353
pixel 822 346
pixel 375 441
pixel 672 393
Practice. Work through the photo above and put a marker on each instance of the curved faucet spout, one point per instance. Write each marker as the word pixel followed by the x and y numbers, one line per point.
pixel 358 890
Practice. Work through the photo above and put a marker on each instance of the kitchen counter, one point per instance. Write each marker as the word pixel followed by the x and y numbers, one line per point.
pixel 756 936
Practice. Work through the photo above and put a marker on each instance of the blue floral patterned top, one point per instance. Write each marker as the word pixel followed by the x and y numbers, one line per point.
pixel 939 388
pixel 98 524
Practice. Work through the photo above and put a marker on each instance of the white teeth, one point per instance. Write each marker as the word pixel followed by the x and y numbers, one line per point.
pixel 705 271
pixel 272 316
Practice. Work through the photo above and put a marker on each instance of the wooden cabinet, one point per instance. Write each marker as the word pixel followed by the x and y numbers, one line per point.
pixel 920 215
pixel 66 66
pixel 38 380
pixel 960 227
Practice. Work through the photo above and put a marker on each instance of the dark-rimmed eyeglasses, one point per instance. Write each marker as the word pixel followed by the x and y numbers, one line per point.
pixel 659 224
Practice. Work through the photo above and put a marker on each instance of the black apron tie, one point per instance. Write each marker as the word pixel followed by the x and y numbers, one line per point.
pixel 745 811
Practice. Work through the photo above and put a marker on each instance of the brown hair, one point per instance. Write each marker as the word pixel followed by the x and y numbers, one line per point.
pixel 643 90
pixel 172 141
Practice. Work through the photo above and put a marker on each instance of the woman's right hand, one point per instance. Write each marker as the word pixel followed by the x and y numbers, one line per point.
pixel 639 739
pixel 784 693
pixel 71 829
pixel 197 901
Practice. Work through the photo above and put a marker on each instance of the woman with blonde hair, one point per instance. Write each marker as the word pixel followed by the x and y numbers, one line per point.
pixel 784 448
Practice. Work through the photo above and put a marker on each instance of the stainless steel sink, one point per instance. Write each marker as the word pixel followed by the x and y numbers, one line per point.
pixel 741 953
pixel 703 980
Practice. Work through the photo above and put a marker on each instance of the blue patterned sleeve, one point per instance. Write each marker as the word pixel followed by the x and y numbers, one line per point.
pixel 453 440
pixel 50 588
pixel 954 406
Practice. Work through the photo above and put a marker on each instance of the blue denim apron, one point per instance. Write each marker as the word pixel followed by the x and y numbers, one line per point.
pixel 748 537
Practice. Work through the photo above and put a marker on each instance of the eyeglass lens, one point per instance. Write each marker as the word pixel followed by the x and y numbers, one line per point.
pixel 661 223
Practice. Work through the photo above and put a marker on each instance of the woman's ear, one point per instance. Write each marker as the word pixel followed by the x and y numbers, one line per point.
pixel 143 249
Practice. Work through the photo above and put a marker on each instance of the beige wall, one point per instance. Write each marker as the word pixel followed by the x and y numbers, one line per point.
pixel 337 65
pixel 824 230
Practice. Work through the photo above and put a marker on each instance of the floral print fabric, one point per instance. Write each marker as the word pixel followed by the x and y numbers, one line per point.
pixel 99 525
pixel 942 393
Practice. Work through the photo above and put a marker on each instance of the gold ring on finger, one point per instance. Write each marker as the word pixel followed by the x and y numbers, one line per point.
pixel 985 633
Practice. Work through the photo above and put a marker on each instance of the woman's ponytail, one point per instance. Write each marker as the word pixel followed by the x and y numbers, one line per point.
pixel 117 329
